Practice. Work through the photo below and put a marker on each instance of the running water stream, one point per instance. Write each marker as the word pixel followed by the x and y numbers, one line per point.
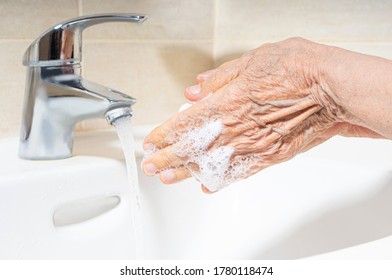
pixel 124 131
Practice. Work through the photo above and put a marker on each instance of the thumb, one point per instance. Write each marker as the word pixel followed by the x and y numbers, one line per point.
pixel 212 80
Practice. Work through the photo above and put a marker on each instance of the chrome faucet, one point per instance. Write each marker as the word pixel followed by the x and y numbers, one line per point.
pixel 57 97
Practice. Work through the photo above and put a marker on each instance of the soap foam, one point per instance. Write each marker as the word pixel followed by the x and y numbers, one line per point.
pixel 214 168
pixel 195 142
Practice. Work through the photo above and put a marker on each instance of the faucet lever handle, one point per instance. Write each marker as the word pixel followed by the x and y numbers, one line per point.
pixel 62 43
pixel 87 21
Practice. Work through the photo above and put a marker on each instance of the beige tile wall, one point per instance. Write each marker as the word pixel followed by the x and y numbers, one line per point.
pixel 355 24
pixel 153 62
pixel 156 60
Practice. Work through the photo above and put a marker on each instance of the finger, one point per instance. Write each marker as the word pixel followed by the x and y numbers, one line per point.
pixel 212 80
pixel 172 175
pixel 222 76
pixel 161 135
pixel 205 75
pixel 205 190
pixel 193 93
pixel 171 130
pixel 162 159
pixel 227 64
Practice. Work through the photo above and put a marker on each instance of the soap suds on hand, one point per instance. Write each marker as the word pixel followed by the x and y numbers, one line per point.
pixel 214 168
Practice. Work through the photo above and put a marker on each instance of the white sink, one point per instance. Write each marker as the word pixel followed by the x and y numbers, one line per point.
pixel 312 206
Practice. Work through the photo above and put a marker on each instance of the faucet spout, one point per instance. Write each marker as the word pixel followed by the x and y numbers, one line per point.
pixel 79 99
pixel 88 99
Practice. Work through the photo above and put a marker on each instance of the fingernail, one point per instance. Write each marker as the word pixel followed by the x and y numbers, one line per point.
pixel 168 176
pixel 150 169
pixel 194 89
pixel 206 190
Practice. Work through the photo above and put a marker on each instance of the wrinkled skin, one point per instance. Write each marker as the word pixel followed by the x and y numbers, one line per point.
pixel 273 103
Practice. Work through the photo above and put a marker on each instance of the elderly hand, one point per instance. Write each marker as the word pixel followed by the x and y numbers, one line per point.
pixel 259 110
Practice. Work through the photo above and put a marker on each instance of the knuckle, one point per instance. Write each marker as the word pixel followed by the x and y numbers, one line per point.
pixel 167 160
pixel 294 41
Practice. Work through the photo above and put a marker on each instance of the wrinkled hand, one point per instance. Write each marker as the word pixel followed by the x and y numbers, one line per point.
pixel 272 104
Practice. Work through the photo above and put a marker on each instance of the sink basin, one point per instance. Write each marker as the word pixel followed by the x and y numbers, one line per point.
pixel 321 204
pixel 32 191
